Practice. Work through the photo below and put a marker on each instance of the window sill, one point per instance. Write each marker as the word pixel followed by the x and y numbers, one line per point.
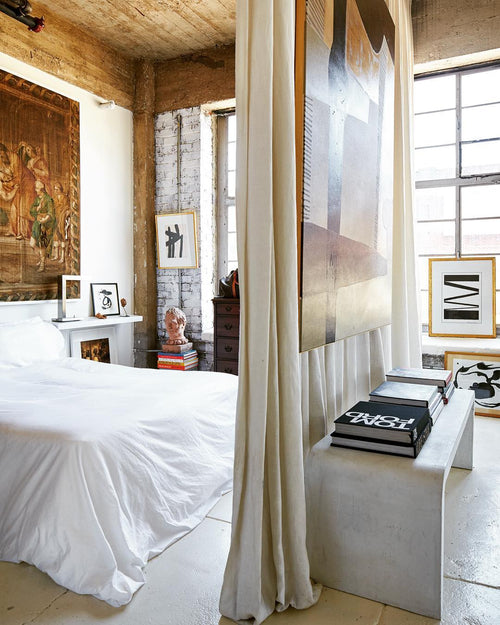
pixel 438 345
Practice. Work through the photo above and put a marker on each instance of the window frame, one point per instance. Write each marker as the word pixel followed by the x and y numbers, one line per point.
pixel 460 180
pixel 224 200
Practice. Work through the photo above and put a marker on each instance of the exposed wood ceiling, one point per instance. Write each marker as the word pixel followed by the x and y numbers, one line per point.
pixel 150 29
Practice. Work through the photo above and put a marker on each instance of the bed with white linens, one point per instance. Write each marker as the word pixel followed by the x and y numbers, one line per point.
pixel 104 466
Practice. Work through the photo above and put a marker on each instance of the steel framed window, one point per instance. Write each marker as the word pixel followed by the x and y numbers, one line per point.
pixel 227 258
pixel 457 163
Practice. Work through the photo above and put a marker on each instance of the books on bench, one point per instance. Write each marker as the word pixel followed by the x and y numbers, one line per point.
pixel 386 428
pixel 387 447
pixel 432 377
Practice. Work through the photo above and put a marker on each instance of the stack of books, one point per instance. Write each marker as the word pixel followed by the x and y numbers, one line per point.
pixel 432 377
pixel 384 427
pixel 408 394
pixel 181 362
pixel 400 414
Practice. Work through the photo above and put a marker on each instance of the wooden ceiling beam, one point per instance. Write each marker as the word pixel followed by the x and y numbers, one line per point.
pixel 73 55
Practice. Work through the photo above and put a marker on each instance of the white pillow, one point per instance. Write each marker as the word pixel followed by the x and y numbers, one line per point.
pixel 29 341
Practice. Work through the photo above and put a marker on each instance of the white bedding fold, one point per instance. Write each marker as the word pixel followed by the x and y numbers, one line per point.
pixel 102 467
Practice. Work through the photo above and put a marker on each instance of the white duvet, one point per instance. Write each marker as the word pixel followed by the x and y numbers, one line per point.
pixel 103 466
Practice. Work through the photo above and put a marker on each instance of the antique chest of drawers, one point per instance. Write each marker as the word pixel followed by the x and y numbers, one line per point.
pixel 226 334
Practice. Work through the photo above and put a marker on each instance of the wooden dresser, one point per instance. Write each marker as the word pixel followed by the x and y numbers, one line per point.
pixel 226 334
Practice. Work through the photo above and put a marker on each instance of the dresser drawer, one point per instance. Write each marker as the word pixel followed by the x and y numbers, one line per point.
pixel 227 325
pixel 227 348
pixel 227 366
pixel 227 308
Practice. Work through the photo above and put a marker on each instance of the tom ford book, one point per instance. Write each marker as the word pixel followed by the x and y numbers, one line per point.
pixel 388 422
pixel 370 444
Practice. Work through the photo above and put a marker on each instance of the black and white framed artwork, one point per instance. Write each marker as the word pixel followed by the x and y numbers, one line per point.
pixel 462 297
pixel 176 240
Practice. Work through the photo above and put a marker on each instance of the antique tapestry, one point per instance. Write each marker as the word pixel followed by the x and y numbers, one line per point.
pixel 39 190
pixel 346 168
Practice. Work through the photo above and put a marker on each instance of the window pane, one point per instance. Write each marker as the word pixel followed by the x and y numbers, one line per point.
pixel 423 272
pixel 481 122
pixel 424 306
pixel 232 264
pixel 434 94
pixel 436 203
pixel 231 156
pixel 481 236
pixel 480 158
pixel 481 201
pixel 435 163
pixel 435 128
pixel 481 87
pixel 231 218
pixel 435 238
pixel 231 128
pixel 231 182
pixel 232 253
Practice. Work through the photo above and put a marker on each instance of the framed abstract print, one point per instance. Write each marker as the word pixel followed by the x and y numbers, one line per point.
pixel 176 240
pixel 39 190
pixel 105 300
pixel 479 373
pixel 462 297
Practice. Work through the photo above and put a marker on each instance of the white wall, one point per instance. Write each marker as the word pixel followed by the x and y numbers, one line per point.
pixel 106 203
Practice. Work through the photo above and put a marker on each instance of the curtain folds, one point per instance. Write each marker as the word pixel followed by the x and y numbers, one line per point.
pixel 267 568
pixel 286 401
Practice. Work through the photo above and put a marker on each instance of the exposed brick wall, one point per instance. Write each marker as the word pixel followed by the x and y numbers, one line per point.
pixel 182 287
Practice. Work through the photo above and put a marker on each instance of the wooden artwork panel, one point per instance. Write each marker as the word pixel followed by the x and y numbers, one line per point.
pixel 39 190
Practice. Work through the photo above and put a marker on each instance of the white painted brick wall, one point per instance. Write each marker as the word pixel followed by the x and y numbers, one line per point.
pixel 182 287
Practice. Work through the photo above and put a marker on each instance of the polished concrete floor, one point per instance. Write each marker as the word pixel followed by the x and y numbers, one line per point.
pixel 184 582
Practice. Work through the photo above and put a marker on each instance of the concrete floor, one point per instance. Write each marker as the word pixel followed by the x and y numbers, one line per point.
pixel 184 582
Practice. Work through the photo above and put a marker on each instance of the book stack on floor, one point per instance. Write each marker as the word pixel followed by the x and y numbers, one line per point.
pixel 181 362
pixel 400 414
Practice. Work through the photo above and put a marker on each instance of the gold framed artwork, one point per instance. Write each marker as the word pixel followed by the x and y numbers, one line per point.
pixel 39 190
pixel 176 240
pixel 462 297
pixel 479 372
pixel 345 52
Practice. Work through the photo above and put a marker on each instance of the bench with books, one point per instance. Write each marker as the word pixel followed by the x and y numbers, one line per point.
pixel 375 520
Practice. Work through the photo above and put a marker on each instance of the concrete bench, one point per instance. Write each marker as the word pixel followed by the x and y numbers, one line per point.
pixel 375 521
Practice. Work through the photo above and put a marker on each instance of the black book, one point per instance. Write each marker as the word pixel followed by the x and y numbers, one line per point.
pixel 405 393
pixel 432 377
pixel 369 444
pixel 387 422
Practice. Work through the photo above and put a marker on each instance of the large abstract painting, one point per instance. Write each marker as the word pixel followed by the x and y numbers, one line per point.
pixel 347 83
pixel 39 190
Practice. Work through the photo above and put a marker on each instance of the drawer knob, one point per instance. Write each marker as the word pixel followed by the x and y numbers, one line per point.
pixel 228 326
pixel 228 348
pixel 228 370
pixel 229 308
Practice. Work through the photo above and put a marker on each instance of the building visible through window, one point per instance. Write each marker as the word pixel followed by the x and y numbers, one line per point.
pixel 457 162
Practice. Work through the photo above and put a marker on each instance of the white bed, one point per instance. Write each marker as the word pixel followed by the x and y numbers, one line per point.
pixel 103 466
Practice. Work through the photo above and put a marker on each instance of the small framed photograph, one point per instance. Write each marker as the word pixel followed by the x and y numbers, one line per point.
pixel 479 373
pixel 105 298
pixel 176 240
pixel 95 344
pixel 462 297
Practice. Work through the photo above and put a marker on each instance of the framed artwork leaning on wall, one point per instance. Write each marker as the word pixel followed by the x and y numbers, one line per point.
pixel 462 297
pixel 479 373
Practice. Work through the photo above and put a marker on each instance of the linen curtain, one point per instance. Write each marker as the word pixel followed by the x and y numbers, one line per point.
pixel 287 401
